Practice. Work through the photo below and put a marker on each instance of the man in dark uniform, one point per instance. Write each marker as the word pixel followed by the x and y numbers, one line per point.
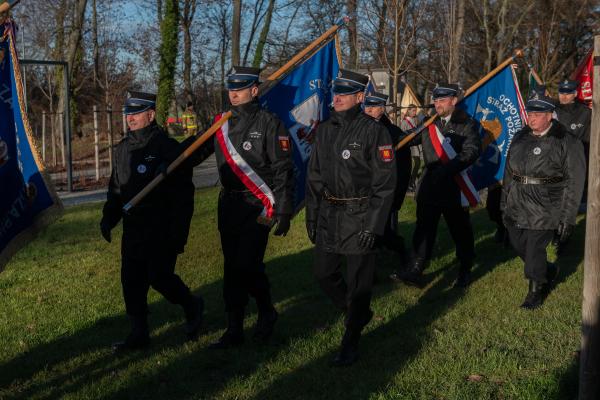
pixel 156 230
pixel 577 118
pixel 438 193
pixel 254 158
pixel 349 193
pixel 543 182
pixel 375 107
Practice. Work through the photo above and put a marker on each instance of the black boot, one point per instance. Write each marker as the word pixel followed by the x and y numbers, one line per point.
pixel 138 338
pixel 348 353
pixel 413 275
pixel 464 275
pixel 194 315
pixel 234 335
pixel 265 324
pixel 535 296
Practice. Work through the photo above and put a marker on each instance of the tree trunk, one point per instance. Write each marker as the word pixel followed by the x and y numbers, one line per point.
pixel 456 38
pixel 235 32
pixel 189 9
pixel 264 34
pixel 169 30
pixel 352 34
pixel 381 32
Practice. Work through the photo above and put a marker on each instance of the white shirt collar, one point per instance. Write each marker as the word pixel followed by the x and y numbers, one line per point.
pixel 544 132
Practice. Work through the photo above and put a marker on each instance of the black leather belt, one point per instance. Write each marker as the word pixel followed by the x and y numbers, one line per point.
pixel 529 180
pixel 341 201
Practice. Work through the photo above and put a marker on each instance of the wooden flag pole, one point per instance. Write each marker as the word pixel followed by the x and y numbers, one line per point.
pixel 589 368
pixel 481 82
pixel 5 7
pixel 263 88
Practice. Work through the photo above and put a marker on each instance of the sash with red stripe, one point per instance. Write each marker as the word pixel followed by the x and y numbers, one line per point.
pixel 244 171
pixel 412 126
pixel 445 152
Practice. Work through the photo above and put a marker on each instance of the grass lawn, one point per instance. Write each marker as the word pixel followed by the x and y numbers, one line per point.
pixel 61 308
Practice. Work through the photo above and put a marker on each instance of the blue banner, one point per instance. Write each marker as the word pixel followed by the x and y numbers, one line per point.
pixel 498 108
pixel 301 100
pixel 25 199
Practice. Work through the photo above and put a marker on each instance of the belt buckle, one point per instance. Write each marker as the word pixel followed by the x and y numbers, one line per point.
pixel 525 180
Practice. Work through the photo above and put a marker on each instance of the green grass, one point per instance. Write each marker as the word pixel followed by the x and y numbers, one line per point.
pixel 61 307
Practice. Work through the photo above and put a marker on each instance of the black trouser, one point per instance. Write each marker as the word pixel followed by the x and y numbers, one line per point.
pixel 352 294
pixel 155 268
pixel 390 239
pixel 244 269
pixel 493 206
pixel 415 170
pixel 530 246
pixel 459 224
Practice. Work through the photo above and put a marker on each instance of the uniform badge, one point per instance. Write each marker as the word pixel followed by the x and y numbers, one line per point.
pixel 149 158
pixel 346 154
pixel 255 135
pixel 284 143
pixel 573 126
pixel 537 151
pixel 141 169
pixel 355 145
pixel 246 145
pixel 386 153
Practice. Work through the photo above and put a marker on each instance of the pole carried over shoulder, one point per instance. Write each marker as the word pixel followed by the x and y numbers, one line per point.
pixel 263 88
pixel 5 7
pixel 481 82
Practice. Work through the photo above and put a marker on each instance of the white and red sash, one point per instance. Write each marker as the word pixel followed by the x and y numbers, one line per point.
pixel 444 150
pixel 244 171
pixel 409 122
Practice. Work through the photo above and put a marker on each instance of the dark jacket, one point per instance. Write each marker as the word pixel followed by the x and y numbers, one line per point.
pixel 403 162
pixel 352 158
pixel 264 143
pixel 577 118
pixel 163 217
pixel 439 187
pixel 543 206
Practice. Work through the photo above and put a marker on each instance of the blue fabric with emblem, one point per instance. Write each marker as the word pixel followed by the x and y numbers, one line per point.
pixel 301 100
pixel 498 109
pixel 23 194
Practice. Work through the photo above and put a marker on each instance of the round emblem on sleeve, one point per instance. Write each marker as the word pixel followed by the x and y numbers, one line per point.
pixel 246 145
pixel 346 154
pixel 141 169
pixel 537 151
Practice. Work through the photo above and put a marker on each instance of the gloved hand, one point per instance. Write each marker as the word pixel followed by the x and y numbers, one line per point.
pixel 366 239
pixel 283 224
pixel 311 230
pixel 564 231
pixel 162 169
pixel 105 230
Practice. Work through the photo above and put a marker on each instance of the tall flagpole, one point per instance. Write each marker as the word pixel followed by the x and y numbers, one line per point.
pixel 589 370
pixel 263 88
pixel 477 85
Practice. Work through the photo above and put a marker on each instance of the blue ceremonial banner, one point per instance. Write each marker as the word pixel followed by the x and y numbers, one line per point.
pixel 26 201
pixel 498 108
pixel 301 100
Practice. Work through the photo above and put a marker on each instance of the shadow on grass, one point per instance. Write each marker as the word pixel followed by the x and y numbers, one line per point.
pixel 70 365
pixel 573 253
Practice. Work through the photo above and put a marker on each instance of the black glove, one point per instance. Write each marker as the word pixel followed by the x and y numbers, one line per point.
pixel 105 230
pixel 162 169
pixel 366 239
pixel 311 230
pixel 283 224
pixel 564 231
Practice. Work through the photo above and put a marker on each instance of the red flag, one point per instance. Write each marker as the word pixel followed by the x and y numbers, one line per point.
pixel 585 75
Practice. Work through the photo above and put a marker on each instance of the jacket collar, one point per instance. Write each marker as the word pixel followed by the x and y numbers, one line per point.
pixel 141 137
pixel 342 117
pixel 556 130
pixel 246 109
